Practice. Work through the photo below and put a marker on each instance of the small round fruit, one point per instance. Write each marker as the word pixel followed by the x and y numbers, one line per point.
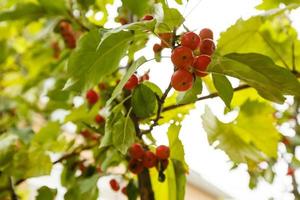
pixel 166 39
pixel 99 119
pixel 92 96
pixel 124 190
pixel 85 133
pixel 143 78
pixel 132 82
pixel 162 152
pixel 149 159
pixel 190 40
pixel 157 48
pixel 200 65
pixel 182 57
pixel 148 17
pixel 207 47
pixel 206 33
pixel 135 166
pixel 123 20
pixel 182 80
pixel 136 151
pixel 290 171
pixel 70 40
pixel 65 27
pixel 114 185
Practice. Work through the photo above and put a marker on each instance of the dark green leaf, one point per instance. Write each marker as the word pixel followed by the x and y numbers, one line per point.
pixel 29 11
pixel 140 9
pixel 54 7
pixel 143 101
pixel 45 193
pixel 224 88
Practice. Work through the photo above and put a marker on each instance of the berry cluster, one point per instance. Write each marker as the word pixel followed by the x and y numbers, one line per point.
pixel 68 34
pixel 141 158
pixel 134 80
pixel 191 58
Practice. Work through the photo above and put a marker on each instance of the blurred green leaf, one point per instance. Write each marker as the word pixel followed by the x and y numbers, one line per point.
pixel 46 193
pixel 23 11
pixel 140 9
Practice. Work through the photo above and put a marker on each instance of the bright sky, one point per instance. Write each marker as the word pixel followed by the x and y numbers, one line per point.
pixel 212 164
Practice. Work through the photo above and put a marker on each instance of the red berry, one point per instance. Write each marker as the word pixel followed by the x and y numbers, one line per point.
pixel 114 185
pixel 162 164
pixel 182 57
pixel 92 96
pixel 132 82
pixel 285 141
pixel 135 166
pixel 102 86
pixel 145 77
pixel 206 33
pixel 124 190
pixel 148 17
pixel 157 48
pixel 149 159
pixel 65 27
pixel 207 47
pixel 200 65
pixel 162 152
pixel 70 41
pixel 166 39
pixel 99 119
pixel 85 133
pixel 190 40
pixel 136 151
pixel 182 80
pixel 290 171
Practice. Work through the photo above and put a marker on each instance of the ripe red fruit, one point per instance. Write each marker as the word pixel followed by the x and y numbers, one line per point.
pixel 162 152
pixel 157 48
pixel 91 96
pixel 206 33
pixel 182 80
pixel 207 47
pixel 145 77
pixel 99 119
pixel 190 40
pixel 200 65
pixel 285 141
pixel 149 159
pixel 290 171
pixel 132 82
pixel 182 57
pixel 136 151
pixel 124 190
pixel 70 40
pixel 85 133
pixel 123 20
pixel 148 17
pixel 65 27
pixel 162 164
pixel 135 166
pixel 166 39
pixel 114 185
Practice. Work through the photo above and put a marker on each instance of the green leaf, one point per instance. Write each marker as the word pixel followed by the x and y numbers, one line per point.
pixel 143 101
pixel 29 11
pixel 7 148
pixel 154 88
pixel 132 190
pixel 176 147
pixel 191 95
pixel 94 58
pixel 271 81
pixel 46 193
pixel 135 65
pixel 119 132
pixel 271 4
pixel 140 9
pixel 224 88
pixel 54 7
pixel 252 136
pixel 180 175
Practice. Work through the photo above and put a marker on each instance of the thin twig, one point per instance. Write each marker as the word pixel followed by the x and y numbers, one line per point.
pixel 13 193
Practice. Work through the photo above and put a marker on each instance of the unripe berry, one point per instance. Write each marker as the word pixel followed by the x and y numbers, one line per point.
pixel 157 48
pixel 149 159
pixel 200 65
pixel 206 33
pixel 207 47
pixel 148 17
pixel 132 82
pixel 99 119
pixel 136 151
pixel 135 166
pixel 190 40
pixel 114 185
pixel 162 152
pixel 92 97
pixel 182 57
pixel 182 80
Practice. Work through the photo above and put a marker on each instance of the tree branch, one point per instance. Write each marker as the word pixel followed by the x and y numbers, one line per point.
pixel 13 193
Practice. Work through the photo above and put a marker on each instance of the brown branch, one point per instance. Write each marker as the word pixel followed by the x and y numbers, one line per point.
pixel 13 193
